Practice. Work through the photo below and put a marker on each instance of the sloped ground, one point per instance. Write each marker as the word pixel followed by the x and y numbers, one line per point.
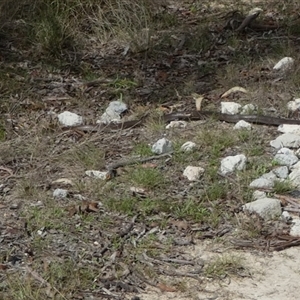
pixel 175 241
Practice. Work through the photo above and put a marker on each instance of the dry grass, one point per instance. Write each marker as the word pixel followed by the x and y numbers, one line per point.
pixel 92 35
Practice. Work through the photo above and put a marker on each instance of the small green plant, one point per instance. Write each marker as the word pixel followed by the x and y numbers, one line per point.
pixel 255 150
pixel 55 28
pixel 166 20
pixel 202 43
pixel 50 218
pixel 155 124
pixel 275 163
pixel 191 210
pixel 87 155
pixel 88 74
pixel 223 266
pixel 282 187
pixel 216 190
pixel 28 189
pixel 258 168
pixel 21 289
pixel 142 149
pixel 125 205
pixel 244 135
pixel 148 243
pixel 215 141
pixel 148 177
pixel 123 83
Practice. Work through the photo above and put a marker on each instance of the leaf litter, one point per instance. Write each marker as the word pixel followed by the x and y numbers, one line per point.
pixel 124 254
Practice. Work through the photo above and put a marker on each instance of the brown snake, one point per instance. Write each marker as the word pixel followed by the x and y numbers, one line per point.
pixel 192 116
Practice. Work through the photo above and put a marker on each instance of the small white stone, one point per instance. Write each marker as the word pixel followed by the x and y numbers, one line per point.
pixel 41 232
pixel 295 229
pixel 285 157
pixel 230 108
pixel 79 197
pixel 289 140
pixel 162 146
pixel 296 165
pixel 68 118
pixel 242 125
pixel 262 183
pixel 37 204
pixel 284 64
pixel 294 105
pixel 176 124
pixel 289 128
pixel 60 193
pixel 285 216
pixel 97 174
pixel 281 172
pixel 109 117
pixel 188 146
pixel 269 176
pixel 267 208
pixel 295 177
pixel 232 163
pixel 258 195
pixel 193 173
pixel 297 153
pixel 248 109
pixel 117 106
pixel 112 113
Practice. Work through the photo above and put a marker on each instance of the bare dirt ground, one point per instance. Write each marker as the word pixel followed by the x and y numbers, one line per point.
pixel 176 239
pixel 269 276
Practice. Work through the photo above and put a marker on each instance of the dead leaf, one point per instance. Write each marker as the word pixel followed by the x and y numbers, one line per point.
pixel 181 225
pixel 169 108
pixel 198 100
pixel 161 76
pixel 56 98
pixel 140 192
pixel 149 165
pixel 85 207
pixel 92 207
pixel 72 210
pixel 3 267
pixel 62 182
pixel 165 288
pixel 8 171
pixel 163 109
pixel 234 90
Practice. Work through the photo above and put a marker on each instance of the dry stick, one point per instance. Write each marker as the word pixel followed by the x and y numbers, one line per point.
pixel 174 272
pixel 282 246
pixel 288 199
pixel 161 261
pixel 108 292
pixel 292 209
pixel 120 235
pixel 178 261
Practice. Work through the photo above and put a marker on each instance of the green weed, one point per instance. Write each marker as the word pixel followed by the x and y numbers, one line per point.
pixel 283 187
pixel 148 178
pixel 223 266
